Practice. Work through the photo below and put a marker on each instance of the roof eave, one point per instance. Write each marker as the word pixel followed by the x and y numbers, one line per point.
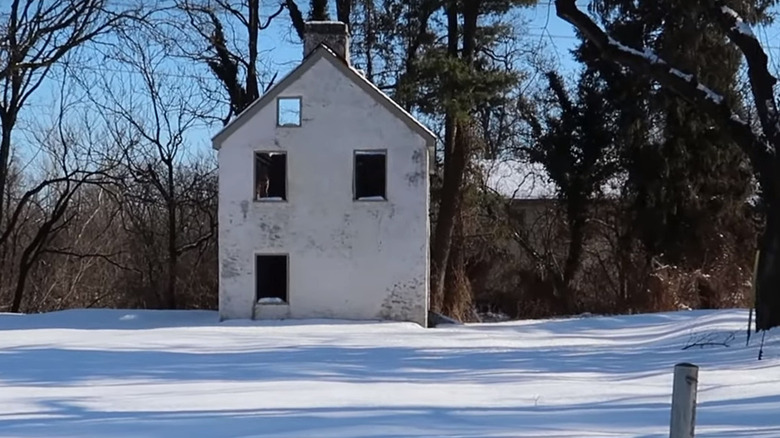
pixel 218 139
pixel 260 103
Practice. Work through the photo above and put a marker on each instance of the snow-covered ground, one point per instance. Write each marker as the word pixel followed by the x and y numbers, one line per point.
pixel 113 373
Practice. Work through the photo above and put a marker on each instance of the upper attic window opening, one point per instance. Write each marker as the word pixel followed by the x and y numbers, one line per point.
pixel 288 111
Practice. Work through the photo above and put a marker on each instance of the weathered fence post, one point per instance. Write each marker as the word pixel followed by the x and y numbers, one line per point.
pixel 686 379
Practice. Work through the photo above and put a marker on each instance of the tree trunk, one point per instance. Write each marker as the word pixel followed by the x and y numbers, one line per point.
pixel 470 20
pixel 318 10
pixel 5 153
pixel 370 39
pixel 454 163
pixel 170 295
pixel 577 223
pixel 253 28
pixel 344 11
pixel 457 293
pixel 768 273
pixel 20 284
pixel 27 261
pixel 445 220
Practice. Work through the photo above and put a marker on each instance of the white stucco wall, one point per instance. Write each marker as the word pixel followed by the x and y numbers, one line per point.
pixel 347 259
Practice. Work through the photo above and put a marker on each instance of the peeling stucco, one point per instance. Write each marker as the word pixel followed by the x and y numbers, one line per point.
pixel 245 208
pixel 230 268
pixel 420 176
pixel 400 301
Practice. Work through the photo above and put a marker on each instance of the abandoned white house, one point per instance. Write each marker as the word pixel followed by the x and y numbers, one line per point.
pixel 324 197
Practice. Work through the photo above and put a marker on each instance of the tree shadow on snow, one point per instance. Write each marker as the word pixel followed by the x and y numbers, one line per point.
pixel 50 365
pixel 650 345
pixel 69 417
pixel 580 351
pixel 119 319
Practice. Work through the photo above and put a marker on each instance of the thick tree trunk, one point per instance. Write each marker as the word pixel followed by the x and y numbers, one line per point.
pixel 571 266
pixel 457 291
pixel 344 11
pixel 768 274
pixel 318 10
pixel 5 153
pixel 454 163
pixel 445 221
pixel 25 266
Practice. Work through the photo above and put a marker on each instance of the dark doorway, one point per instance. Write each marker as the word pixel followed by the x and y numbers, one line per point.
pixel 271 278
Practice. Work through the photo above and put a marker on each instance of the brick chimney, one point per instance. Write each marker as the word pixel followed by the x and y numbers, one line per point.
pixel 333 34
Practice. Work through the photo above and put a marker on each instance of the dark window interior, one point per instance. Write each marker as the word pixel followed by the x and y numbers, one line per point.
pixel 270 176
pixel 271 277
pixel 370 175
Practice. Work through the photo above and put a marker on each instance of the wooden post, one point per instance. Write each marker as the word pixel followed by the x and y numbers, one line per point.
pixel 686 379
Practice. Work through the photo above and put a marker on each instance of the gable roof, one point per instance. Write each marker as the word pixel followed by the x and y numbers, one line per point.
pixel 324 52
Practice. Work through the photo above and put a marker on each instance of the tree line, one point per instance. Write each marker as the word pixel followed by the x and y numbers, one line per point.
pixel 659 147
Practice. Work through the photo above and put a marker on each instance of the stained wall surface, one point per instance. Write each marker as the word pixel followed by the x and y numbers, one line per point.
pixel 347 259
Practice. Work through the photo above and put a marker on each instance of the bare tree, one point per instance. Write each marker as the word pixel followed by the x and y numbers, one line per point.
pixel 83 265
pixel 234 65
pixel 151 114
pixel 35 35
pixel 760 145
pixel 49 204
pixel 42 209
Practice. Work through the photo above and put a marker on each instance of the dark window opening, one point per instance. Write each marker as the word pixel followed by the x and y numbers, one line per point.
pixel 270 176
pixel 370 175
pixel 271 279
pixel 288 111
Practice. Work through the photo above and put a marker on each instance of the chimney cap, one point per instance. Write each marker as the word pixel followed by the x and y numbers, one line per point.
pixel 326 26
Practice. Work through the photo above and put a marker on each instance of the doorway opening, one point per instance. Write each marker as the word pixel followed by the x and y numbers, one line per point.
pixel 271 277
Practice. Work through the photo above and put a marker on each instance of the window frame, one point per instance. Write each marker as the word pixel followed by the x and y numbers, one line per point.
pixel 279 100
pixel 286 196
pixel 286 300
pixel 378 151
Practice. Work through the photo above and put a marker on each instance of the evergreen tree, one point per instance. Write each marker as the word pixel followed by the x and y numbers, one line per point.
pixel 446 72
pixel 760 141
pixel 460 77
pixel 687 180
pixel 575 143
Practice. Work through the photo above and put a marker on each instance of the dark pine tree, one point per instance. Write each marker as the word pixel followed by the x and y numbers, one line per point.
pixel 686 178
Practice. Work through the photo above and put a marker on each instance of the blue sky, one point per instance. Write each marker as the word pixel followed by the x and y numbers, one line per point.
pixel 281 51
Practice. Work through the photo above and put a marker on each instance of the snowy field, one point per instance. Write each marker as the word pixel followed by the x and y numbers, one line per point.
pixel 114 373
